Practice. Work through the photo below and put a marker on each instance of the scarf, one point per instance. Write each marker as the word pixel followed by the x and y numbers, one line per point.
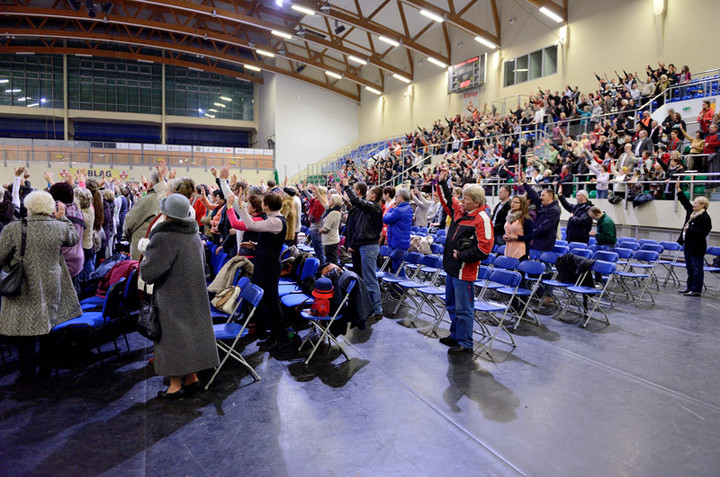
pixel 335 207
pixel 695 214
pixel 513 216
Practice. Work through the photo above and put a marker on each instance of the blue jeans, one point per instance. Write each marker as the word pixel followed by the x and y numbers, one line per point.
pixel 368 256
pixel 316 239
pixel 602 194
pixel 395 265
pixel 459 301
pixel 694 266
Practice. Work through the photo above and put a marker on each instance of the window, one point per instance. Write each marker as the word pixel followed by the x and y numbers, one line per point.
pixel 535 65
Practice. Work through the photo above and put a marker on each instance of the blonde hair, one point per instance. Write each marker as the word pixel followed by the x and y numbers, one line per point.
pixel 83 197
pixel 476 193
pixel 108 195
pixel 39 202
pixel 184 186
pixel 702 200
pixel 322 193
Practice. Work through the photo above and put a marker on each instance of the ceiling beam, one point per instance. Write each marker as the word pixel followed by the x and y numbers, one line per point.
pixel 455 20
pixel 206 35
pixel 115 38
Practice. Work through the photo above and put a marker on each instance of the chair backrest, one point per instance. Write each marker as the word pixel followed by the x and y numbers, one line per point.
pixel 310 268
pixel 592 241
pixel 631 245
pixel 582 252
pixel 550 257
pixel 413 258
pixel 603 267
pixel 573 245
pixel 506 263
pixel 715 251
pixel 440 232
pixel 500 250
pixel 242 282
pixel 483 272
pixel 113 297
pixel 432 261
pixel 561 249
pixel 646 256
pixel 623 253
pixel 384 251
pixel 489 260
pixel 531 268
pixel 674 246
pixel 437 248
pixel 561 242
pixel 252 294
pixel 606 256
pixel 534 254
pixel 441 239
pixel 653 246
pixel 647 241
pixel 508 278
pixel 398 254
pixel 423 230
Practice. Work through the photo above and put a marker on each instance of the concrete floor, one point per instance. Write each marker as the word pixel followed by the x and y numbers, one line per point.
pixel 640 397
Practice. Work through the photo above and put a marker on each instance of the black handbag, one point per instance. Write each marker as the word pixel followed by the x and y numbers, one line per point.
pixel 148 321
pixel 12 277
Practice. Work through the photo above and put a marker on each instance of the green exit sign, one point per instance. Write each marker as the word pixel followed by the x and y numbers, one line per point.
pixel 687 108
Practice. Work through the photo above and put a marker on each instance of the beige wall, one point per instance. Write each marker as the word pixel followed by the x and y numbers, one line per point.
pixel 602 36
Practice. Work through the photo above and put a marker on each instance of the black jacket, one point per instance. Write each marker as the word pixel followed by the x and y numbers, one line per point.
pixel 695 240
pixel 499 217
pixel 364 222
pixel 580 224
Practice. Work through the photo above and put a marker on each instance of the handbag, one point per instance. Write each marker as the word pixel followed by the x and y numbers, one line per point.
pixel 12 277
pixel 226 299
pixel 148 321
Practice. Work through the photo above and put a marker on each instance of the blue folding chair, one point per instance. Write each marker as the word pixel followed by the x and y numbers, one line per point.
pixel 592 294
pixel 669 264
pixel 234 330
pixel 309 269
pixel 511 280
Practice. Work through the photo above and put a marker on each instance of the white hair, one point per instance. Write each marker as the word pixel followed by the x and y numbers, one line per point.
pixel 404 194
pixel 39 202
pixel 336 200
pixel 582 192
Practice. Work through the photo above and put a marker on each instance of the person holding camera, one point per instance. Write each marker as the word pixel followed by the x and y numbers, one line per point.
pixel 469 240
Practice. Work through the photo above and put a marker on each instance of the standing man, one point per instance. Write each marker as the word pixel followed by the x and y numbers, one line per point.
pixel 606 236
pixel 362 236
pixel 579 224
pixel 500 212
pixel 469 240
pixel 399 222
pixel 547 219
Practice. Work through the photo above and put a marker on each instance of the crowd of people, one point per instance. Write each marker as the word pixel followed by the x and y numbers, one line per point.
pixel 606 136
pixel 166 224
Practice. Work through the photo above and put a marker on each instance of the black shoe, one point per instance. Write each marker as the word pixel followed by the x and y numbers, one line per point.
pixel 268 344
pixel 459 349
pixel 193 388
pixel 692 293
pixel 448 341
pixel 179 394
pixel 683 292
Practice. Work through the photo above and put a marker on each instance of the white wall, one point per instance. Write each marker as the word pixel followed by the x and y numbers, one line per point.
pixel 310 123
pixel 266 109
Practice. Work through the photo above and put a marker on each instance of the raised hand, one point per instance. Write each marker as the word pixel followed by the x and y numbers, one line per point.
pixel 173 174
pixel 162 170
pixel 69 177
pixel 19 171
pixel 213 171
pixel 59 210
pixel 48 177
pixel 233 179
pixel 224 172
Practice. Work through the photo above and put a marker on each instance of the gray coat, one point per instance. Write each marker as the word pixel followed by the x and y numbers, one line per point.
pixel 174 263
pixel 48 297
pixel 138 220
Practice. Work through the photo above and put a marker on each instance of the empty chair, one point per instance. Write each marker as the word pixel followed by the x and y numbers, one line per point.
pixel 582 252
pixel 561 249
pixel 671 261
pixel 592 294
pixel 647 241
pixel 574 245
pixel 510 280
pixel 532 272
pixel 646 261
pixel 506 263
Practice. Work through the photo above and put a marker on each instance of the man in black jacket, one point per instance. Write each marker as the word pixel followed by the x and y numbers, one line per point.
pixel 362 235
pixel 499 214
pixel 580 223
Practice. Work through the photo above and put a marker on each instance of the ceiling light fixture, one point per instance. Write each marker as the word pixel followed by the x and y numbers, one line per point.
pixel 437 62
pixel 211 116
pixel 372 90
pixel 225 98
pixel 389 41
pixel 357 60
pixel 13 90
pixel 281 34
pixel 212 110
pixel 486 42
pixel 325 7
pixel 145 61
pixel 401 78
pixel 265 53
pixel 252 68
pixel 33 105
pixel 339 28
pixel 550 14
pixel 219 105
pixel 432 16
pixel 4 81
pixel 333 75
pixel 304 10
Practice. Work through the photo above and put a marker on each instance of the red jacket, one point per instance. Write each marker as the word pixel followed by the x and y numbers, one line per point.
pixel 118 271
pixel 712 143
pixel 705 118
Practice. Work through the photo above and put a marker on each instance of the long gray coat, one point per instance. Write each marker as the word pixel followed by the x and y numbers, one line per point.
pixel 48 297
pixel 175 264
pixel 138 220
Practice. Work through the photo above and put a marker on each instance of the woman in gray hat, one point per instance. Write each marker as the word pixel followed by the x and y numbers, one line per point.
pixel 175 262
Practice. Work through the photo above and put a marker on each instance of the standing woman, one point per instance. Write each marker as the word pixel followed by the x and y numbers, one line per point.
pixel 47 297
pixel 518 229
pixel 269 244
pixel 694 237
pixel 83 199
pixel 175 264
pixel 330 229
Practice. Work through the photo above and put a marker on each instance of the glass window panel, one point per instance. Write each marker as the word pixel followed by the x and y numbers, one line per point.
pixel 521 69
pixel 509 73
pixel 536 64
pixel 550 57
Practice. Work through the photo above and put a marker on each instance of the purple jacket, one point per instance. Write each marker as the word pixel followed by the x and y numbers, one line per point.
pixel 74 256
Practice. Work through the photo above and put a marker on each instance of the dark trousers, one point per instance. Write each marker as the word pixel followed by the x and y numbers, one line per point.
pixel 269 316
pixel 331 253
pixel 29 358
pixel 694 266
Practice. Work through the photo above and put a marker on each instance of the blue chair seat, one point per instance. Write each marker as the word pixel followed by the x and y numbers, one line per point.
pixel 411 284
pixel 585 290
pixel 631 274
pixel 556 283
pixel 428 269
pixel 296 299
pixel 432 290
pixel 93 300
pixel 90 306
pixel 228 331
pixel 288 289
pixel 91 319
pixel 489 306
pixel 308 316
pixel 490 285
pixel 392 279
pixel 642 265
pixel 511 290
pixel 711 269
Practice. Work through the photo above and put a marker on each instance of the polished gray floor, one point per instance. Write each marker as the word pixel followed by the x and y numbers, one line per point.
pixel 640 397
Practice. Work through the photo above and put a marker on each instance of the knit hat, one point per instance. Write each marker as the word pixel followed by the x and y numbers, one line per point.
pixel 62 191
pixel 176 206
pixel 323 288
pixel 290 191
